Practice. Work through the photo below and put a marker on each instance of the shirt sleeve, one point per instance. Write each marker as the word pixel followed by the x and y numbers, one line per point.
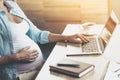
pixel 44 37
pixel 38 35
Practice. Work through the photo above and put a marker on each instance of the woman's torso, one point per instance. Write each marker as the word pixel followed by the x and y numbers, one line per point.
pixel 21 40
pixel 19 28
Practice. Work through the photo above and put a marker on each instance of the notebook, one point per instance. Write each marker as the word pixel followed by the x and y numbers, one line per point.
pixel 97 43
pixel 75 71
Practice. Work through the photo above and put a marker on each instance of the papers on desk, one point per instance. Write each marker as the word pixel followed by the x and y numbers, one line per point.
pixel 113 72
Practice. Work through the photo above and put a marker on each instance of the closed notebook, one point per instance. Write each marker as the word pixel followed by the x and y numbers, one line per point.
pixel 78 71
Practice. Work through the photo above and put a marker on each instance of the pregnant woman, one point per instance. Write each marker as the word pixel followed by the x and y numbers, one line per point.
pixel 20 56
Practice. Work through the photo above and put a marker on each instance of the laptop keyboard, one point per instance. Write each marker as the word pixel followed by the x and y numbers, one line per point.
pixel 91 46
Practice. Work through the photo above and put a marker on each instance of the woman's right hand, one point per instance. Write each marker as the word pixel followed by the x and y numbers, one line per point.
pixel 26 55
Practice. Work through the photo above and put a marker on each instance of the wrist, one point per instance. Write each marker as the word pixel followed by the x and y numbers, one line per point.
pixel 15 57
pixel 65 38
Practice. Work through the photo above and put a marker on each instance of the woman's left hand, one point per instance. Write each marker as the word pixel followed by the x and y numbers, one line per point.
pixel 77 38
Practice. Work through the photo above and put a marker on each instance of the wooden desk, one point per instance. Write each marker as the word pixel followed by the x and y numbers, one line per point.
pixel 112 52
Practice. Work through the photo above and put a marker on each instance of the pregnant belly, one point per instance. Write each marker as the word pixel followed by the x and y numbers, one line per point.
pixel 22 43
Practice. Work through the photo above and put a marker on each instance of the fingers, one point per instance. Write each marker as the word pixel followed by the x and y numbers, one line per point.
pixel 27 55
pixel 33 55
pixel 83 38
pixel 26 48
pixel 78 38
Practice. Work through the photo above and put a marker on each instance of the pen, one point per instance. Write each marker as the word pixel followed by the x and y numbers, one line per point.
pixel 70 65
pixel 117 70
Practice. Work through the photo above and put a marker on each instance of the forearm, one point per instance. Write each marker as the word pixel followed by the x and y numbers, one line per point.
pixel 8 59
pixel 75 38
pixel 57 37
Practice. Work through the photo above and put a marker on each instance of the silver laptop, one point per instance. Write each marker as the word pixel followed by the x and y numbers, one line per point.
pixel 97 43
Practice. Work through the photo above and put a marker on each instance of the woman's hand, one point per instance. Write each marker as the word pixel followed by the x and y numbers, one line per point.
pixel 25 55
pixel 81 38
pixel 77 38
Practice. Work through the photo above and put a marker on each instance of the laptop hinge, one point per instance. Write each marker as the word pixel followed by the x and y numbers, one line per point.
pixel 102 47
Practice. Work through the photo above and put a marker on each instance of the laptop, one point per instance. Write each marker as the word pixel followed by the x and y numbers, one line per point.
pixel 97 43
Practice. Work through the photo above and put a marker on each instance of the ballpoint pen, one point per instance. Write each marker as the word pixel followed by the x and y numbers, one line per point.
pixel 69 65
pixel 117 70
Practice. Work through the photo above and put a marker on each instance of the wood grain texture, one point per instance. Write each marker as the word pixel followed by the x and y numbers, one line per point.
pixel 52 14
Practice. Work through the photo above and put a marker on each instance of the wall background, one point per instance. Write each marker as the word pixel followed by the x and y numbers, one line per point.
pixel 115 5
pixel 54 15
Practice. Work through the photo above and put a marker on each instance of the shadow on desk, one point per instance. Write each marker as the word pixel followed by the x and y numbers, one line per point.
pixel 46 49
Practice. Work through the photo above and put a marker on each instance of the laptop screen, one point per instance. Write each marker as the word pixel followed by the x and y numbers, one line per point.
pixel 108 30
